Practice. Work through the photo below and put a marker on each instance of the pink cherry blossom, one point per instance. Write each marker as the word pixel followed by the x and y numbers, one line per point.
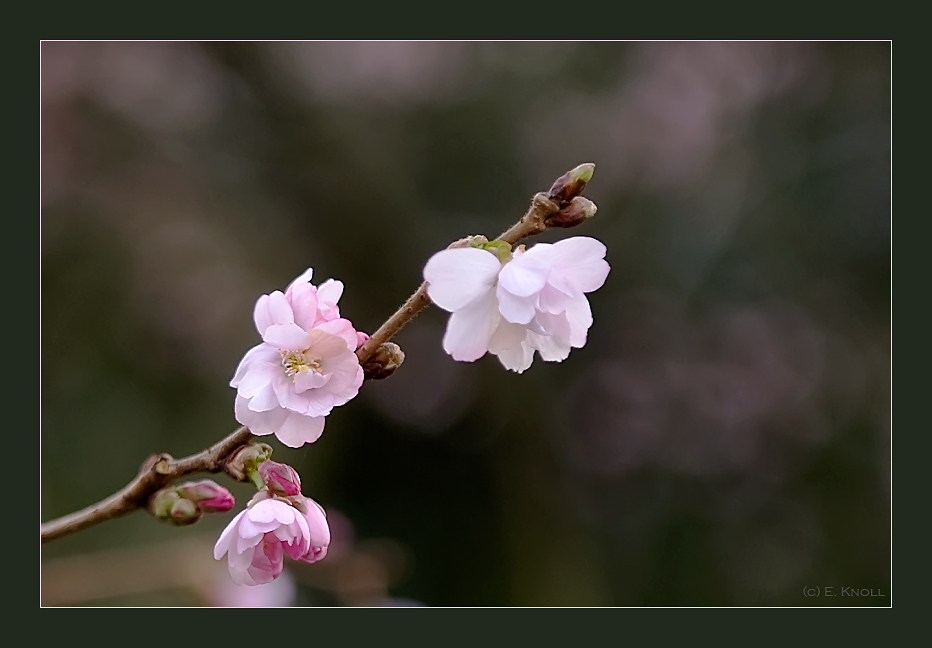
pixel 533 302
pixel 257 539
pixel 304 367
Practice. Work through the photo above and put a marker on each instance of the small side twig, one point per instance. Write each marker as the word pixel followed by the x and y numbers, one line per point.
pixel 157 471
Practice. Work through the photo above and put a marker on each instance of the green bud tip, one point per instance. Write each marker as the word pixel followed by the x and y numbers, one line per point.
pixel 478 241
pixel 184 511
pixel 583 172
pixel 501 249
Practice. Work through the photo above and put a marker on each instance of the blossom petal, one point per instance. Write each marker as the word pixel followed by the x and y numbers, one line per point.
pixel 265 399
pixel 524 275
pixel 262 314
pixel 579 317
pixel 261 353
pixel 259 376
pixel 345 384
pixel 517 358
pixel 506 336
pixel 559 282
pixel 238 565
pixel 263 511
pixel 310 380
pixel 549 348
pixel 323 344
pixel 330 291
pixel 460 276
pixel 227 536
pixel 581 259
pixel 516 309
pixel 342 328
pixel 267 563
pixel 317 402
pixel 299 429
pixel 290 337
pixel 292 401
pixel 304 303
pixel 343 372
pixel 303 278
pixel 272 309
pixel 317 523
pixel 468 329
pixel 259 423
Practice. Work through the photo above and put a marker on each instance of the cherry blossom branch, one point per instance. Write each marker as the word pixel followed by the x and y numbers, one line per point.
pixel 562 206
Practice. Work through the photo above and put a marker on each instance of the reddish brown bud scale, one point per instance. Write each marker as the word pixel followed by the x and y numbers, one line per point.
pixel 571 184
pixel 576 212
pixel 384 361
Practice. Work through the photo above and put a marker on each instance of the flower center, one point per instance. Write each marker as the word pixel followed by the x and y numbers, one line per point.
pixel 296 362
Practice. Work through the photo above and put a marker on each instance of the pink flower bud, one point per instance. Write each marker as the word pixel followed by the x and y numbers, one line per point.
pixel 209 496
pixel 184 511
pixel 361 338
pixel 279 478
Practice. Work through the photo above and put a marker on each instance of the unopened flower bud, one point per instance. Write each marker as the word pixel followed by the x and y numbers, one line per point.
pixel 245 460
pixel 161 503
pixel 279 478
pixel 361 338
pixel 384 361
pixel 477 241
pixel 209 496
pixel 571 184
pixel 184 511
pixel 574 213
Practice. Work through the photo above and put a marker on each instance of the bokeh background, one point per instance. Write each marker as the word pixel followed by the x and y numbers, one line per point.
pixel 722 439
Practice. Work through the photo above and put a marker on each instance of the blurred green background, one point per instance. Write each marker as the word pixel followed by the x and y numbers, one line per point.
pixel 722 439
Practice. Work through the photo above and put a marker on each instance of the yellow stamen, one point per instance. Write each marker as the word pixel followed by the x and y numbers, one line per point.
pixel 296 362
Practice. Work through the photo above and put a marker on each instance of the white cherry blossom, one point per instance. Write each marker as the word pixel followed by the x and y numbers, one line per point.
pixel 533 302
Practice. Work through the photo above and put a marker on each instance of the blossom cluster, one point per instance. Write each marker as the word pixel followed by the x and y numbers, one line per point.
pixel 305 366
pixel 512 304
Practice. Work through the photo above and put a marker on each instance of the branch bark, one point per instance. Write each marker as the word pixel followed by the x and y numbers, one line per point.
pixel 156 471
pixel 161 470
